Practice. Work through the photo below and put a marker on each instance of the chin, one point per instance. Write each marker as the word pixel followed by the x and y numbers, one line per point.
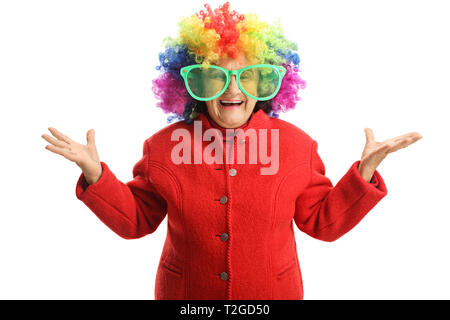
pixel 233 116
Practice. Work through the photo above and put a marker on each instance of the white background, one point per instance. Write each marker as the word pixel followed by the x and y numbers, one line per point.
pixel 76 65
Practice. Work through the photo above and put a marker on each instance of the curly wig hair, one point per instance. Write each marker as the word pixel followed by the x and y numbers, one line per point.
pixel 204 38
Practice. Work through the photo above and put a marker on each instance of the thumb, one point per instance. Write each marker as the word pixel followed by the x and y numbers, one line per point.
pixel 369 135
pixel 90 137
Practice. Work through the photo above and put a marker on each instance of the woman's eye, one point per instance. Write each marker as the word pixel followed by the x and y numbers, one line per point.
pixel 247 77
pixel 216 75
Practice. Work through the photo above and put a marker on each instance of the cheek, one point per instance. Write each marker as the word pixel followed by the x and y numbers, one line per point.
pixel 251 103
pixel 211 104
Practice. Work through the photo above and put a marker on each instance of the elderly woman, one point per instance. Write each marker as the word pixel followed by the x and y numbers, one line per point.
pixel 231 177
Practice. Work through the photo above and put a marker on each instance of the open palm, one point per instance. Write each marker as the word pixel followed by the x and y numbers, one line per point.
pixel 85 156
pixel 374 152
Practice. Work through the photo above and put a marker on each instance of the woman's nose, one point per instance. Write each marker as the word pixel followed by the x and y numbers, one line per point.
pixel 233 87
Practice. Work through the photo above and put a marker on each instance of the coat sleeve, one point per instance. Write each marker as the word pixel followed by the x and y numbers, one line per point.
pixel 131 210
pixel 325 212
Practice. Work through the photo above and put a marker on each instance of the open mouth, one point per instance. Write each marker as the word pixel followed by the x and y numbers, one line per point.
pixel 231 103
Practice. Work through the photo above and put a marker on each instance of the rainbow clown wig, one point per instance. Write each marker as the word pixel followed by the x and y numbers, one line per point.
pixel 207 36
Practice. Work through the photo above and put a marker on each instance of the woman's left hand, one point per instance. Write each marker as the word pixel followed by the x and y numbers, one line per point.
pixel 374 152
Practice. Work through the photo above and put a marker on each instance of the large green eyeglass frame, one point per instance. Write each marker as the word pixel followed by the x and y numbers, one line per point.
pixel 281 71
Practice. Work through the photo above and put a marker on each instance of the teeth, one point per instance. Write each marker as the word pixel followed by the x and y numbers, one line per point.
pixel 227 101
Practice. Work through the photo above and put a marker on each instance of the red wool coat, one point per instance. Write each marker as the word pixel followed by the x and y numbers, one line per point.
pixel 230 232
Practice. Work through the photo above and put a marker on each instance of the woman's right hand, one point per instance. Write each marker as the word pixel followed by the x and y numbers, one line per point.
pixel 85 156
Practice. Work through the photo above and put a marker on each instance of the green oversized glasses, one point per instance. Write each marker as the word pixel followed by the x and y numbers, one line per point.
pixel 259 81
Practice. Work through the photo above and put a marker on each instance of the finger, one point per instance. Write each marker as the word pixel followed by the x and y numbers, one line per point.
pixel 61 151
pixel 90 137
pixel 403 143
pixel 369 135
pixel 53 141
pixel 407 135
pixel 414 138
pixel 59 135
pixel 385 147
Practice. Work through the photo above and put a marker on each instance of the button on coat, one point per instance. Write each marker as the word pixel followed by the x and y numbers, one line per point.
pixel 224 236
pixel 223 199
pixel 224 276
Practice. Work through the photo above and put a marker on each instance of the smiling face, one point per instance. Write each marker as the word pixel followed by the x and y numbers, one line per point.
pixel 231 116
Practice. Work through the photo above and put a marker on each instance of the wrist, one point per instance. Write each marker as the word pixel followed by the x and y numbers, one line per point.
pixel 91 179
pixel 366 173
